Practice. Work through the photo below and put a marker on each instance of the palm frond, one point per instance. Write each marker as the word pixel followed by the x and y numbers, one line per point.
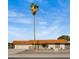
pixel 34 8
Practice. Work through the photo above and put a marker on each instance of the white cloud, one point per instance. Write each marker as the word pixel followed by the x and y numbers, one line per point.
pixel 19 32
pixel 62 3
pixel 17 18
pixel 23 21
pixel 12 13
pixel 16 30
pixel 47 31
pixel 55 15
pixel 27 21
pixel 42 23
pixel 54 29
pixel 30 1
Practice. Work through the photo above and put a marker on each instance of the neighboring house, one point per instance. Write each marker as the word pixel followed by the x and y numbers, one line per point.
pixel 41 44
pixel 10 45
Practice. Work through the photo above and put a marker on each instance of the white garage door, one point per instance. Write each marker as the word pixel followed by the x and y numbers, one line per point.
pixel 22 46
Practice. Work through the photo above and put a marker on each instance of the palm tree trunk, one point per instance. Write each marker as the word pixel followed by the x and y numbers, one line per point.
pixel 34 32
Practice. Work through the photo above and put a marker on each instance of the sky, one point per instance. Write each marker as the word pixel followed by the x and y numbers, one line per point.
pixel 52 19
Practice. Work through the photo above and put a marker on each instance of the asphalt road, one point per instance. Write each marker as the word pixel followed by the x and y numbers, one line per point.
pixel 24 54
pixel 39 58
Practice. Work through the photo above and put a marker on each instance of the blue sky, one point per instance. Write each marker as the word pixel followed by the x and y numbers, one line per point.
pixel 52 19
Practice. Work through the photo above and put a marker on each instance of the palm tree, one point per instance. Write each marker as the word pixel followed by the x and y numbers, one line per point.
pixel 34 9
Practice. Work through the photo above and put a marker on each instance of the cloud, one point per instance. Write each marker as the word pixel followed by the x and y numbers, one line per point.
pixel 12 13
pixel 53 28
pixel 62 3
pixel 60 25
pixel 16 30
pixel 19 33
pixel 47 31
pixel 50 21
pixel 53 32
pixel 43 23
pixel 30 1
pixel 38 1
pixel 25 21
pixel 21 18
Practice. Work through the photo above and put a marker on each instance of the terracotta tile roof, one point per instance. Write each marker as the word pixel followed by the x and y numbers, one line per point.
pixel 40 41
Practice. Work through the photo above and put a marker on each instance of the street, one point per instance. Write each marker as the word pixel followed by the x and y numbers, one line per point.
pixel 46 54
pixel 38 58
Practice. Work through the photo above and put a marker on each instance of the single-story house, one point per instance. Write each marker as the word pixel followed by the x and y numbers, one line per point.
pixel 41 44
pixel 10 45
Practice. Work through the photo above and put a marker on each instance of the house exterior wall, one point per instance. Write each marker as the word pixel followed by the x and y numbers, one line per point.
pixel 23 46
pixel 54 46
pixel 62 46
pixel 67 46
pixel 57 46
pixel 51 46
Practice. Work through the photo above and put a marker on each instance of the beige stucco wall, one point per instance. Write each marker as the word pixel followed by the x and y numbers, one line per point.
pixel 23 46
pixel 62 46
pixel 51 46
